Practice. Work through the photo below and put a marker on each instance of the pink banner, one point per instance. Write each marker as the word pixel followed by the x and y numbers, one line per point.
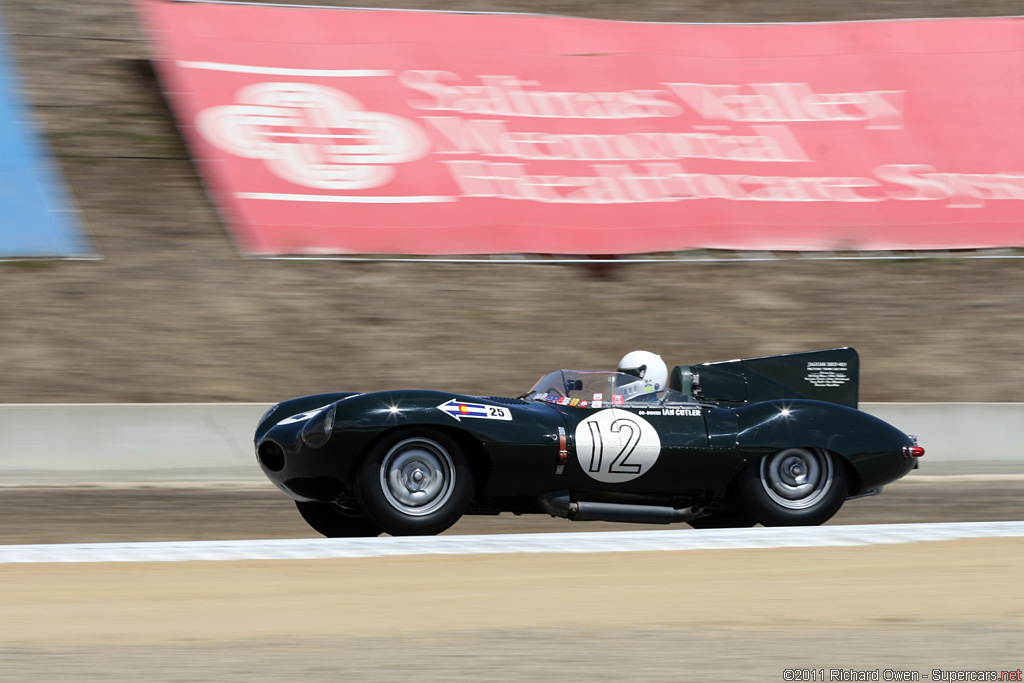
pixel 333 131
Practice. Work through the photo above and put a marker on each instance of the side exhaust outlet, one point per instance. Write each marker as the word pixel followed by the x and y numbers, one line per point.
pixel 559 504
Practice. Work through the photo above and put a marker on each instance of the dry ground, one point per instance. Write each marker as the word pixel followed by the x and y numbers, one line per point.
pixel 746 615
pixel 737 615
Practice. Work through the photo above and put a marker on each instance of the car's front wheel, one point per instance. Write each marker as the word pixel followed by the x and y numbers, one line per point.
pixel 415 482
pixel 335 521
pixel 793 487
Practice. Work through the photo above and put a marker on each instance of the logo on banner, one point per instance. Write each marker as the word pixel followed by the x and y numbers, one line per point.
pixel 313 135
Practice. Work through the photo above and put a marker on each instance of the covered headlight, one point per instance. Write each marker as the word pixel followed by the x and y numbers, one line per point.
pixel 318 430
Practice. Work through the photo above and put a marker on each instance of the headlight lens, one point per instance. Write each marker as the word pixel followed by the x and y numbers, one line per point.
pixel 318 430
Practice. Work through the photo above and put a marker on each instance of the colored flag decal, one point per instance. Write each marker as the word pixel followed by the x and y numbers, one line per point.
pixel 460 409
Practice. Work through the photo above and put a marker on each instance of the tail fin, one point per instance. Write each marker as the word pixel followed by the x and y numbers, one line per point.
pixel 831 375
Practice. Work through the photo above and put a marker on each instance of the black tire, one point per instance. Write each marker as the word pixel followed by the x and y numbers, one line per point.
pixel 415 482
pixel 730 517
pixel 793 487
pixel 335 521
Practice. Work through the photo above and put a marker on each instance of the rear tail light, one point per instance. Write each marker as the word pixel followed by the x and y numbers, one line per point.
pixel 913 451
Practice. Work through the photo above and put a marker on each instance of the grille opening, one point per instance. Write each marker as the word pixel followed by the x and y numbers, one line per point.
pixel 271 455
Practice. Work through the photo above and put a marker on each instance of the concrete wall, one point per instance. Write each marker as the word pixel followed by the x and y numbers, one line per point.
pixel 961 438
pixel 41 443
pixel 103 443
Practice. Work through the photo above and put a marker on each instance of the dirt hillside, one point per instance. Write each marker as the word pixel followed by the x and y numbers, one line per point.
pixel 172 312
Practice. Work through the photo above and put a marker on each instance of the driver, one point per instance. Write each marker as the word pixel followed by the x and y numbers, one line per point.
pixel 650 371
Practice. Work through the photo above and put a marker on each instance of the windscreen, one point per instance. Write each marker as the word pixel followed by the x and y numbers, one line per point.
pixel 589 387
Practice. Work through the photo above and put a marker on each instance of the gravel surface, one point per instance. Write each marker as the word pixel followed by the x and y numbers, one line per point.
pixel 584 653
pixel 683 616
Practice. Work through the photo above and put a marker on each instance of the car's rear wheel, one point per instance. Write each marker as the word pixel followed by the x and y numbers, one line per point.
pixel 415 482
pixel 793 487
pixel 336 521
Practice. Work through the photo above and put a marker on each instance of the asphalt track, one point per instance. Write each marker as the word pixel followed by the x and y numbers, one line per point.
pixel 197 512
pixel 708 615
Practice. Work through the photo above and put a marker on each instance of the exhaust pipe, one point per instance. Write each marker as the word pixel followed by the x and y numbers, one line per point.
pixel 558 504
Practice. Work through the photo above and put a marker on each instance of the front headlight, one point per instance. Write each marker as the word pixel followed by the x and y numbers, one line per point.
pixel 318 430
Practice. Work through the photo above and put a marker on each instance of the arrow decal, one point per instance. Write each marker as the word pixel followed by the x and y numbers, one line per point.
pixel 461 409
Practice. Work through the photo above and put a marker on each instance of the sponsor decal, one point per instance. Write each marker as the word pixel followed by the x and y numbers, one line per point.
pixel 563 401
pixel 461 409
pixel 596 403
pixel 574 402
pixel 584 404
pixel 617 399
pixel 615 446
pixel 827 373
pixel 598 397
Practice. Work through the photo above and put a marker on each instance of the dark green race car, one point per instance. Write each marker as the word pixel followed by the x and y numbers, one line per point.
pixel 776 440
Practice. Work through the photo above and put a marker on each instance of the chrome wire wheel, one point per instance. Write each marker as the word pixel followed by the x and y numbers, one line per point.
pixel 797 478
pixel 417 476
pixel 415 481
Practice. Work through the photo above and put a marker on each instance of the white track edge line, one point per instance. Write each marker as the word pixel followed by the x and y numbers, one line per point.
pixel 558 543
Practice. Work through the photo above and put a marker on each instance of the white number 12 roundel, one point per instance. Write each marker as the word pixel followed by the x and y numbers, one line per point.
pixel 616 445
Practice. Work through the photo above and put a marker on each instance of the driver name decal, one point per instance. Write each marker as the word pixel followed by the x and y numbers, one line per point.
pixel 672 412
pixel 615 446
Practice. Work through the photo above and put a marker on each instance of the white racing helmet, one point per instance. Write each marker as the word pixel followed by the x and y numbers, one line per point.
pixel 648 367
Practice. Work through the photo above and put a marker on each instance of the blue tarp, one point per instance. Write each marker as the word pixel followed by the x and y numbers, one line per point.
pixel 37 217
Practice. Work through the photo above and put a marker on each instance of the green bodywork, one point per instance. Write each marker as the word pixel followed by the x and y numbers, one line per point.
pixel 719 418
